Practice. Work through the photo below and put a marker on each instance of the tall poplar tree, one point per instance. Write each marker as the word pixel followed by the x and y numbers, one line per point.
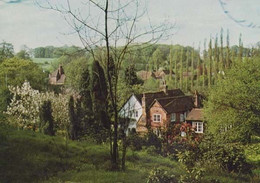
pixel 204 64
pixel 210 64
pixel 198 68
pixel 192 68
pixel 240 52
pixel 222 60
pixel 175 69
pixel 187 70
pixel 171 62
pixel 227 65
pixel 181 70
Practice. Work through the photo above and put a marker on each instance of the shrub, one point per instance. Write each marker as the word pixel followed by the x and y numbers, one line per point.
pixel 153 140
pixel 161 176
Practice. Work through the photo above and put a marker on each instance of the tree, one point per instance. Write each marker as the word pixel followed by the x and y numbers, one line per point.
pixel 210 64
pixel 106 24
pixel 233 106
pixel 14 71
pixel 73 120
pixel 6 51
pixel 46 119
pixel 157 58
pixel 23 54
pixel 130 76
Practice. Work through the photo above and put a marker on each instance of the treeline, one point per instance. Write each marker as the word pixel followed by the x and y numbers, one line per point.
pixel 53 52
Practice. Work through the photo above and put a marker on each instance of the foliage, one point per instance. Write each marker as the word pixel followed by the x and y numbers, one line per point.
pixel 15 71
pixel 130 76
pixel 23 54
pixel 233 105
pixel 153 140
pixel 25 105
pixel 158 175
pixel 46 119
pixel 73 71
pixel 6 51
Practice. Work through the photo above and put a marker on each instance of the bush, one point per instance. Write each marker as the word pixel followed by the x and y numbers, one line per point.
pixel 153 140
pixel 161 176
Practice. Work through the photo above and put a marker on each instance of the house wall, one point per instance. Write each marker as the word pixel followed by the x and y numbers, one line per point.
pixel 157 109
pixel 129 111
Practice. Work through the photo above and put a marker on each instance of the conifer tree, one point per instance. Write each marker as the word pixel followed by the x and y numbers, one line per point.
pixel 73 121
pixel 46 119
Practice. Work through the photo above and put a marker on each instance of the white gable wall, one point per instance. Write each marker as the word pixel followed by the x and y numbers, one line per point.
pixel 133 110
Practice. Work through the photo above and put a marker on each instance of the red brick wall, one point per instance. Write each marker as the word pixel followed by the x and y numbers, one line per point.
pixel 157 109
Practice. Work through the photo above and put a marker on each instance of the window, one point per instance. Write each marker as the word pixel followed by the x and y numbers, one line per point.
pixel 136 113
pixel 198 127
pixel 156 118
pixel 173 117
pixel 182 117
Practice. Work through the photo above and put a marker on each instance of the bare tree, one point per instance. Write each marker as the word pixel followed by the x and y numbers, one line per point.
pixel 112 27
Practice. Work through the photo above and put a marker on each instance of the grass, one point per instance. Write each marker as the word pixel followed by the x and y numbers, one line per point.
pixel 27 156
pixel 45 63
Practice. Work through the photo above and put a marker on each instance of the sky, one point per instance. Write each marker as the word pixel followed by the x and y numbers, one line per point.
pixel 23 22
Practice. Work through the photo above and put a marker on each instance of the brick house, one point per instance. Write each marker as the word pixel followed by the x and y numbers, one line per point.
pixel 57 77
pixel 156 110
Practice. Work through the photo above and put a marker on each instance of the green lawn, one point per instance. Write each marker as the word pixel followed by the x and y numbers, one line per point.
pixel 27 156
pixel 45 63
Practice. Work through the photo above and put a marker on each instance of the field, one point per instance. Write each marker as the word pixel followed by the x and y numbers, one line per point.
pixel 27 156
pixel 45 63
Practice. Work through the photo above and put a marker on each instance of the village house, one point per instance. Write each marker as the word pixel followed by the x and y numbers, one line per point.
pixel 157 110
pixel 160 74
pixel 57 77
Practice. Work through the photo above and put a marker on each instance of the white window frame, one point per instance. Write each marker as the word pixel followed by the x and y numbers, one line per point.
pixel 156 117
pixel 198 127
pixel 173 117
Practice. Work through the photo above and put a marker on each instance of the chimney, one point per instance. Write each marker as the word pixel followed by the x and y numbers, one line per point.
pixel 143 106
pixel 164 87
pixel 196 99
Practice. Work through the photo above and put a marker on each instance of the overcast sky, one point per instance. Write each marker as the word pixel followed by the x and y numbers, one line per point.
pixel 22 22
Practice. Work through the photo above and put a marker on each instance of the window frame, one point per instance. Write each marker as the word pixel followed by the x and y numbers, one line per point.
pixel 155 118
pixel 196 125
pixel 173 119
pixel 182 117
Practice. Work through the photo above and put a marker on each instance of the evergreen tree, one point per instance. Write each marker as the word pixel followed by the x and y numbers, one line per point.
pixel 73 131
pixel 46 119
